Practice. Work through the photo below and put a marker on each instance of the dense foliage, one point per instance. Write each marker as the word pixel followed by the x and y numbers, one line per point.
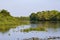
pixel 6 18
pixel 7 21
pixel 52 15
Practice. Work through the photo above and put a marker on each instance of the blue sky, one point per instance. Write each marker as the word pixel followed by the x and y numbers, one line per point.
pixel 26 7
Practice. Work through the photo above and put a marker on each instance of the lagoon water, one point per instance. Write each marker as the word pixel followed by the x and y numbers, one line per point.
pixel 52 30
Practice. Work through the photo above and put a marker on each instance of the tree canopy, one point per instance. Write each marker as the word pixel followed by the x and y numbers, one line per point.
pixel 5 12
pixel 52 15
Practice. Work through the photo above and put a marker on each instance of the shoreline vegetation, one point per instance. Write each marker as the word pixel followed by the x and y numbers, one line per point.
pixel 6 18
pixel 52 15
pixel 34 29
pixel 7 21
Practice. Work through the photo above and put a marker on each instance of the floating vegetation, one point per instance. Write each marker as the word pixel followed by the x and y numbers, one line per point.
pixel 34 29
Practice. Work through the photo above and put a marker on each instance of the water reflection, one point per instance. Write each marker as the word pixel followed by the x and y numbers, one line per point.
pixel 41 26
pixel 46 24
pixel 13 32
pixel 6 28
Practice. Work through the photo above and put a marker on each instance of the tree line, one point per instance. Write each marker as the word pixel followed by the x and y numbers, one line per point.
pixel 6 18
pixel 52 15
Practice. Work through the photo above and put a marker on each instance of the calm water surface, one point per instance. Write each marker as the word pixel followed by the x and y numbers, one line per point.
pixel 52 30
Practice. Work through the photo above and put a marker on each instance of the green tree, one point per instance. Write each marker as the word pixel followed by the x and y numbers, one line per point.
pixel 33 17
pixel 5 12
pixel 52 15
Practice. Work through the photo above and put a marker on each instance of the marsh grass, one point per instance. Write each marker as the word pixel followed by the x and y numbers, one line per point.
pixel 34 29
pixel 6 27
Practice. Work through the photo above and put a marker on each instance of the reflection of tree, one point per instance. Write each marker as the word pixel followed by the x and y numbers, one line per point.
pixel 6 28
pixel 47 24
pixel 33 25
pixel 43 26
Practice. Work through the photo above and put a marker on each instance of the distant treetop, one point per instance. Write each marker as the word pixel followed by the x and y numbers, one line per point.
pixel 5 12
pixel 52 15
